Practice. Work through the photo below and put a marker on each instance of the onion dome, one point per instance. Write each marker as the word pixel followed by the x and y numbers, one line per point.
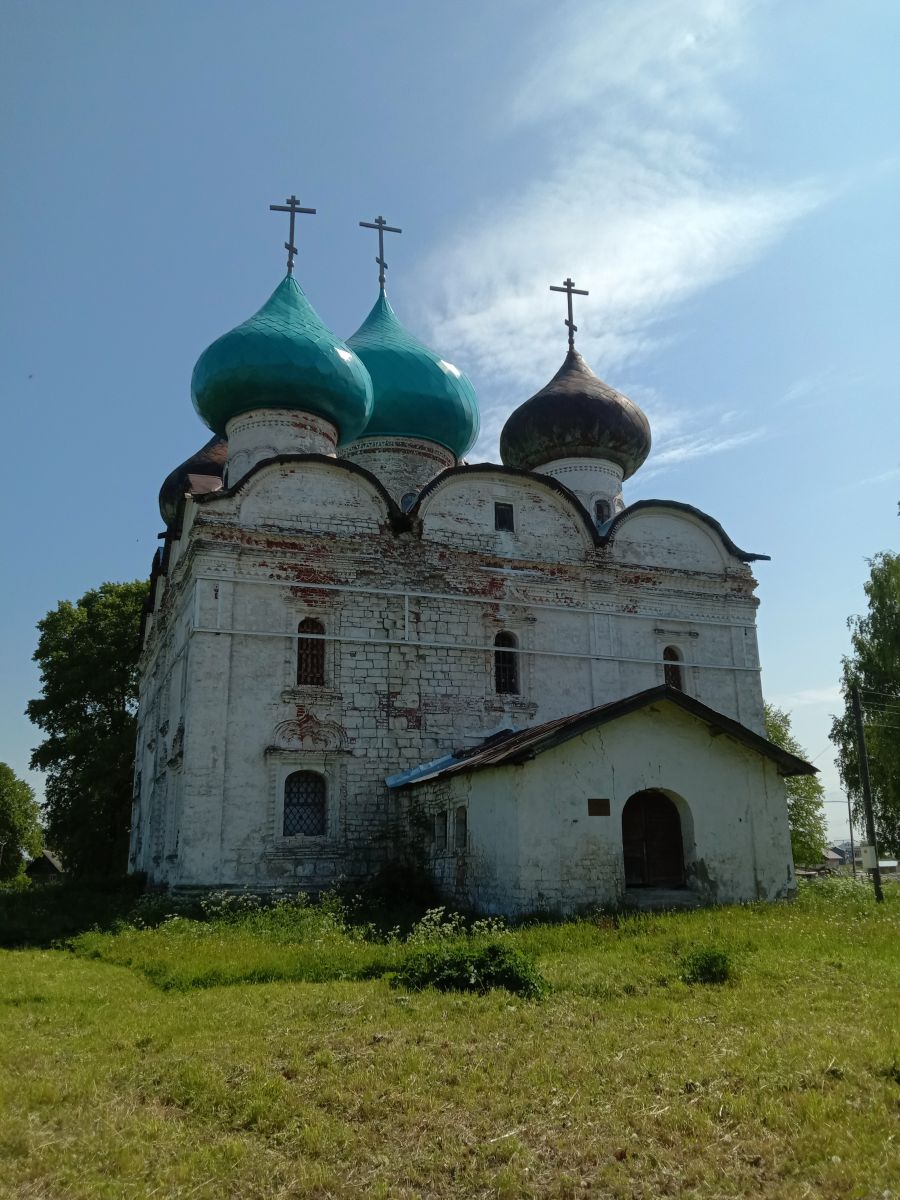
pixel 209 460
pixel 576 415
pixel 283 357
pixel 416 393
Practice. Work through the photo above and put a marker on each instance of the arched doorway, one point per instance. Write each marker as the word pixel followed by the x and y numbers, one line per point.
pixel 652 842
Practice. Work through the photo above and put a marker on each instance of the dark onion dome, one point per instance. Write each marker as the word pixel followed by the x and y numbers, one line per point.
pixel 283 357
pixel 417 393
pixel 209 460
pixel 576 415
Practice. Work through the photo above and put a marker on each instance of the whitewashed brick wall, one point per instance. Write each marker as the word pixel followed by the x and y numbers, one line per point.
pixel 410 617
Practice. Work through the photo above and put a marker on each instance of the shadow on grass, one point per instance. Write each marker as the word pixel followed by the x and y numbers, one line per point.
pixel 45 914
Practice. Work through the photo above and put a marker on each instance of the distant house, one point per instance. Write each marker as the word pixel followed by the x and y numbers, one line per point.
pixel 833 858
pixel 45 868
pixel 887 866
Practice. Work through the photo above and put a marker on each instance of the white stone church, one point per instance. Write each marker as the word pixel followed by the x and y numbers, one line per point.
pixel 361 650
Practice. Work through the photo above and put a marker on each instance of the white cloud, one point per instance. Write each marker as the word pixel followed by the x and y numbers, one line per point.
pixel 640 247
pixel 671 49
pixel 632 206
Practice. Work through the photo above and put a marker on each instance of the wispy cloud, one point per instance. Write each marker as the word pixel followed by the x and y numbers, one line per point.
pixel 809 696
pixel 681 449
pixel 812 390
pixel 650 55
pixel 884 477
pixel 802 391
pixel 634 206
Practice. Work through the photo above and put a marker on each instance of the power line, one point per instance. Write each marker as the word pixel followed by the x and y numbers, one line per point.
pixel 821 752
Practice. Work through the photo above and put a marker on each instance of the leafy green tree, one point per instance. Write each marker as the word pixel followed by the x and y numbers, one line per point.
pixel 874 667
pixel 88 653
pixel 806 808
pixel 20 823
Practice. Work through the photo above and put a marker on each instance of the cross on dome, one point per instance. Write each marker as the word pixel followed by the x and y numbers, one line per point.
pixel 292 206
pixel 571 290
pixel 382 226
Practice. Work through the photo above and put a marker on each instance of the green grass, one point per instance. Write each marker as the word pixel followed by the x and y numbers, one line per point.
pixel 125 1074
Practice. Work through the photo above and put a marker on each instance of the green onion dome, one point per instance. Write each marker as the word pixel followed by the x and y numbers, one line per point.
pixel 576 415
pixel 283 357
pixel 417 393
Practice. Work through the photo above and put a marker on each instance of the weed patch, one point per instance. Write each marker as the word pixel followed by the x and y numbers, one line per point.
pixel 459 967
pixel 707 965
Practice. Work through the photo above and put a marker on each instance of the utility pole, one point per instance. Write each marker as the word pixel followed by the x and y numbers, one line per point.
pixel 866 789
pixel 852 847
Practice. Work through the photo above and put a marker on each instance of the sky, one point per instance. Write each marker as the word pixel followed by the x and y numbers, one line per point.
pixel 722 176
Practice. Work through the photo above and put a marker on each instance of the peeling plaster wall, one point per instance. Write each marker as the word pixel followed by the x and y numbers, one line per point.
pixel 410 619
pixel 532 846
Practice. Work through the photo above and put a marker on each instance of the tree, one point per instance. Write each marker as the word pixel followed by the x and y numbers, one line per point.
pixel 874 667
pixel 806 808
pixel 20 823
pixel 88 653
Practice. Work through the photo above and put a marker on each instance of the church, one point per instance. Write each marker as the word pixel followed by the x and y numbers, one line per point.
pixel 362 651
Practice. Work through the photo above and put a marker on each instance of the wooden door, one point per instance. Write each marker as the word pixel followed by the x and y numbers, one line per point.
pixel 651 841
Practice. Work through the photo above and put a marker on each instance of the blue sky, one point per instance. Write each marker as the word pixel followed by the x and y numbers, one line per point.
pixel 723 176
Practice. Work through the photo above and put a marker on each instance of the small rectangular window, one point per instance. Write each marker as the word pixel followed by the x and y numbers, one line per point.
pixel 504 518
pixel 440 832
pixel 311 652
pixel 461 829
pixel 598 807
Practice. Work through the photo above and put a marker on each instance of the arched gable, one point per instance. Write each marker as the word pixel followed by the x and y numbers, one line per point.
pixel 671 533
pixel 309 491
pixel 505 512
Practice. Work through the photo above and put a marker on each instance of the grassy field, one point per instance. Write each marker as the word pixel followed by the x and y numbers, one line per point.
pixel 266 1054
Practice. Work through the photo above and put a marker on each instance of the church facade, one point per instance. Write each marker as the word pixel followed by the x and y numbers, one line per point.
pixel 351 631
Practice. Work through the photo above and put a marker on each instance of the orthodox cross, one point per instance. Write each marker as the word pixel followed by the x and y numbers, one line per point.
pixel 382 226
pixel 290 206
pixel 571 290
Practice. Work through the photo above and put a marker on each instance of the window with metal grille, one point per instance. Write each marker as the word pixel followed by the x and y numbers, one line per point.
pixel 506 664
pixel 461 829
pixel 311 653
pixel 672 668
pixel 504 518
pixel 304 805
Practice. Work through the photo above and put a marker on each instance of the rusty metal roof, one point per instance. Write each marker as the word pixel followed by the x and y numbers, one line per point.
pixel 512 747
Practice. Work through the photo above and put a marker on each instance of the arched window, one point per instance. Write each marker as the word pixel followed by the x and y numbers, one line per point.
pixel 304 805
pixel 407 501
pixel 672 668
pixel 602 511
pixel 506 665
pixel 311 653
pixel 651 841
